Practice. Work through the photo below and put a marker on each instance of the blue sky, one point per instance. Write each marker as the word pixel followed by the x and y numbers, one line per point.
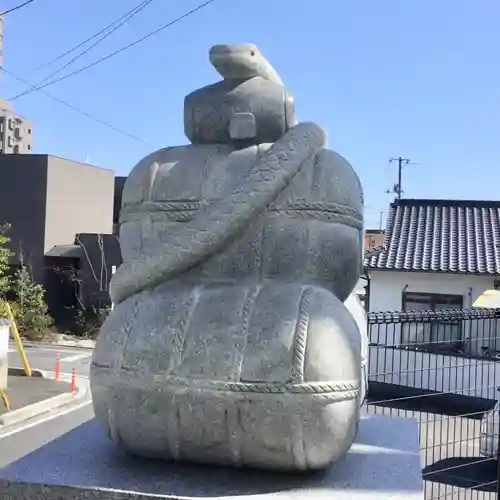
pixel 416 78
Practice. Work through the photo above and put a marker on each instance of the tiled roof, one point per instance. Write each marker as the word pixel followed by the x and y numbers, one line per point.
pixel 441 235
pixel 374 252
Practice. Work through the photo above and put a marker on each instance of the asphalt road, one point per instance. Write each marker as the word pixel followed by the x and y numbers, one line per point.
pixel 43 357
pixel 17 441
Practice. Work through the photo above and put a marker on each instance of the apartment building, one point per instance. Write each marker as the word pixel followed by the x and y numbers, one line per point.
pixel 15 131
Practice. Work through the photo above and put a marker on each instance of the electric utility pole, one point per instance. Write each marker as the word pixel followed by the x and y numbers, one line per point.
pixel 397 188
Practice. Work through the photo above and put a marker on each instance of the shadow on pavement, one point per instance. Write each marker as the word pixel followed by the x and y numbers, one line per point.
pixel 477 473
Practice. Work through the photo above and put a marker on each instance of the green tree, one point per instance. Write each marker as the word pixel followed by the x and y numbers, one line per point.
pixel 31 310
pixel 5 256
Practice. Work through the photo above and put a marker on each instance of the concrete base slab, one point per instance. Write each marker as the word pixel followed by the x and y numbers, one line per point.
pixel 383 463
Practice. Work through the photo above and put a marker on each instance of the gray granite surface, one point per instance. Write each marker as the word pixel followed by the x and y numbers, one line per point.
pixel 230 341
pixel 384 462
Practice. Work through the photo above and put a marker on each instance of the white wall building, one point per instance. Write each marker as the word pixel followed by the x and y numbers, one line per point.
pixel 439 254
pixel 394 290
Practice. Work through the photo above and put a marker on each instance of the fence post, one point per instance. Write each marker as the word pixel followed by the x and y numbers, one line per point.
pixel 497 430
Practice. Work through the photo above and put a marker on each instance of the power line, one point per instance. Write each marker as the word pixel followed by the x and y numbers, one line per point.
pixel 124 19
pixel 17 7
pixel 81 111
pixel 116 52
pixel 95 35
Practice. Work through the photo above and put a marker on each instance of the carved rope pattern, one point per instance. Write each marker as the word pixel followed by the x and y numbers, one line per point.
pixel 319 388
pixel 246 312
pixel 127 324
pixel 301 330
pixel 160 206
pixel 184 212
pixel 323 216
pixel 323 206
pixel 180 216
pixel 330 390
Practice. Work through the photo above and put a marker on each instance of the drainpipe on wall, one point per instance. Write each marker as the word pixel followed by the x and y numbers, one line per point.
pixel 402 294
pixel 368 287
pixel 367 278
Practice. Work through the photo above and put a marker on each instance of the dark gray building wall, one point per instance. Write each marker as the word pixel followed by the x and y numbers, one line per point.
pixel 23 189
pixel 79 200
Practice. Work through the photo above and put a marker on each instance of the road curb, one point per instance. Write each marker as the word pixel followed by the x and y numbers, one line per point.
pixel 19 372
pixel 40 407
pixel 78 344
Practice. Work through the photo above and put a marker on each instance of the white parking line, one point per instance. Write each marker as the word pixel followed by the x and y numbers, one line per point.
pixel 46 419
pixel 76 357
pixel 53 350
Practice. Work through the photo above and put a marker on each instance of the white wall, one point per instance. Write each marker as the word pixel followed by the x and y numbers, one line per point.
pixel 436 372
pixel 386 290
pixel 386 287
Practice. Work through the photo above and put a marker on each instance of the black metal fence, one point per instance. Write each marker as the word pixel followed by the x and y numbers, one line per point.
pixel 443 369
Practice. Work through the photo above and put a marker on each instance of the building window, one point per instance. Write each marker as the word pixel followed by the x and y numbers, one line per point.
pixel 29 147
pixel 433 301
pixel 11 124
pixel 16 149
pixel 29 131
pixel 437 335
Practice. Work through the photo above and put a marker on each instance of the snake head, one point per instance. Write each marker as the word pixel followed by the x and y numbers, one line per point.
pixel 242 61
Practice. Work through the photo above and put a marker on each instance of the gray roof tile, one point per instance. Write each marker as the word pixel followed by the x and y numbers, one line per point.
pixel 441 235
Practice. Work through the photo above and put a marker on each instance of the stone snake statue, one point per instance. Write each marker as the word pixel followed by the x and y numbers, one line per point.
pixel 232 340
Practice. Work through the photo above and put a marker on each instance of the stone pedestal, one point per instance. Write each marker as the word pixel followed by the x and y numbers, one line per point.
pixel 384 462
